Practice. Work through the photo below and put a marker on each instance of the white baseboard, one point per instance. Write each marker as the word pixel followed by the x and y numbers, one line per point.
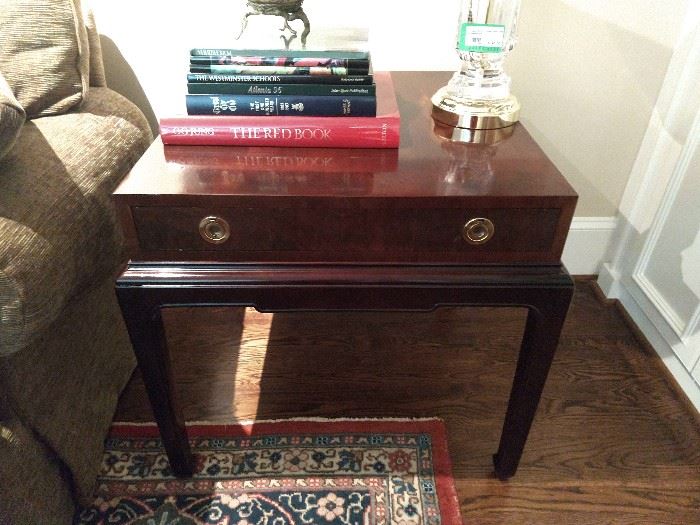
pixel 588 244
pixel 608 280
pixel 652 324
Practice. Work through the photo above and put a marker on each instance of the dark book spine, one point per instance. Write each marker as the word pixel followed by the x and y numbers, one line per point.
pixel 261 105
pixel 226 69
pixel 210 88
pixel 354 80
pixel 198 52
pixel 278 61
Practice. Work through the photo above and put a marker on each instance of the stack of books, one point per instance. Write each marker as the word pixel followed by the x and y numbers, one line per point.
pixel 273 97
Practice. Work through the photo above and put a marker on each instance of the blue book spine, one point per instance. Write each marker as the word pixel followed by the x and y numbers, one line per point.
pixel 289 105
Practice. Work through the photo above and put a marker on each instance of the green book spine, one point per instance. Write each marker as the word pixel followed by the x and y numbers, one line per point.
pixel 297 53
pixel 211 88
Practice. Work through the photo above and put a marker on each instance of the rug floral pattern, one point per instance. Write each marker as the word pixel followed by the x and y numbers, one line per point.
pixel 328 477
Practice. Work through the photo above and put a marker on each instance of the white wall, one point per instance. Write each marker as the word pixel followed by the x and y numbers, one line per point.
pixel 587 72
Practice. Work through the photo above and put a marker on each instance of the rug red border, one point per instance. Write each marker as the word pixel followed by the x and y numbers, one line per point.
pixel 447 492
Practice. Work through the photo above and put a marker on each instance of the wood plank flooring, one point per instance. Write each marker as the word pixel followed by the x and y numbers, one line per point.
pixel 613 441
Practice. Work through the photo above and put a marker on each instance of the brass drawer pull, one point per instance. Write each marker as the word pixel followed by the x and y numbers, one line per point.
pixel 478 230
pixel 214 229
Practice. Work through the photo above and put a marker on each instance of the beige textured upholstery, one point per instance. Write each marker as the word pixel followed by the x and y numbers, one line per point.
pixel 97 68
pixel 12 117
pixel 70 382
pixel 22 455
pixel 56 219
pixel 64 351
pixel 44 54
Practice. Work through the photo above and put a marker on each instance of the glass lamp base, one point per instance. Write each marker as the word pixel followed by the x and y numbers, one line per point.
pixel 473 114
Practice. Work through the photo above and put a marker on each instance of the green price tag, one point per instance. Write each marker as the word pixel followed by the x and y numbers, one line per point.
pixel 481 38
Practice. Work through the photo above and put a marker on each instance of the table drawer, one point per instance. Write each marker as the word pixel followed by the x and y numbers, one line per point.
pixel 351 234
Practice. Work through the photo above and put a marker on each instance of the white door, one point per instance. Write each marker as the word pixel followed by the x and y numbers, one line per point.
pixel 655 271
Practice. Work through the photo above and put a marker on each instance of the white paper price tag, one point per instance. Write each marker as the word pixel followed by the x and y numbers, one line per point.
pixel 481 38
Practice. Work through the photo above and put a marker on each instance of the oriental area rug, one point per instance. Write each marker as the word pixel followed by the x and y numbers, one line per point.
pixel 318 472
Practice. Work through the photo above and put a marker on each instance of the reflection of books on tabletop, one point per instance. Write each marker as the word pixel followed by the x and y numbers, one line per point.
pixel 283 183
pixel 286 160
pixel 380 131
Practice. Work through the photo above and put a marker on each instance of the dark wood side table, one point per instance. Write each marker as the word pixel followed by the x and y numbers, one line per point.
pixel 281 229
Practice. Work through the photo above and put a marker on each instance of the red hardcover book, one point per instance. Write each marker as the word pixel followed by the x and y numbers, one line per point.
pixel 381 131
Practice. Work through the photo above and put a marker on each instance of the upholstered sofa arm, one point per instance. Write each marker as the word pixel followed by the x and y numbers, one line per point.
pixel 58 228
pixel 32 294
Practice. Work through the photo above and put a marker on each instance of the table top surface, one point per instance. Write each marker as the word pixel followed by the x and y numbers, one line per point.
pixel 425 165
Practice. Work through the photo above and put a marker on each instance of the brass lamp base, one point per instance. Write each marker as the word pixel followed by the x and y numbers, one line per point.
pixel 458 113
pixel 471 136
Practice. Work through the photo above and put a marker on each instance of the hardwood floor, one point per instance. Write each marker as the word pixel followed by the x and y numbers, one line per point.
pixel 613 441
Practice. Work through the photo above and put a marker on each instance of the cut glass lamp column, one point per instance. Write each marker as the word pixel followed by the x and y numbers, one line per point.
pixel 478 95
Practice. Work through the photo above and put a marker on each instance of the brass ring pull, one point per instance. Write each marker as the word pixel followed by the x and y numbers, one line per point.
pixel 478 230
pixel 214 230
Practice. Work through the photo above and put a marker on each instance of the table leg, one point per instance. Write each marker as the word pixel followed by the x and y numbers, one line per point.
pixel 145 325
pixel 547 296
pixel 542 330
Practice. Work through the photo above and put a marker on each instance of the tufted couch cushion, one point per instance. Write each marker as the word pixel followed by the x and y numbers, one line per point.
pixel 44 54
pixel 58 227
pixel 11 117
